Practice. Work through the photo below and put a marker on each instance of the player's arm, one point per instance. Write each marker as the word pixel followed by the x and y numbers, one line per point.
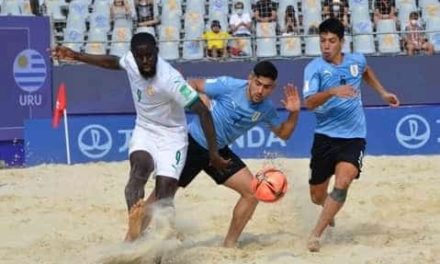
pixel 104 61
pixel 208 127
pixel 292 104
pixel 370 78
pixel 197 84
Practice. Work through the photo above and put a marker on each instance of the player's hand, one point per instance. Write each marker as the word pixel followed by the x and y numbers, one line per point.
pixel 391 99
pixel 291 100
pixel 344 91
pixel 218 162
pixel 63 53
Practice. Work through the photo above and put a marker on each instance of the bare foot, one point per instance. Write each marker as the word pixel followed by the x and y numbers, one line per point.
pixel 313 244
pixel 135 217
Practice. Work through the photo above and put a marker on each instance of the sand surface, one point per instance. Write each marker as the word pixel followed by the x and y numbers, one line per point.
pixel 77 214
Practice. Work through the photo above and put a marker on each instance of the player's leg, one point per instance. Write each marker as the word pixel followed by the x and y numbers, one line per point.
pixel 141 166
pixel 349 154
pixel 345 173
pixel 239 178
pixel 245 206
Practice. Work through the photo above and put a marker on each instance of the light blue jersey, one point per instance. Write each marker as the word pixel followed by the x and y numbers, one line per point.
pixel 338 117
pixel 233 112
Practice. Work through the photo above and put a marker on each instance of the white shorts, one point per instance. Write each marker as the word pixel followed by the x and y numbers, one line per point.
pixel 167 146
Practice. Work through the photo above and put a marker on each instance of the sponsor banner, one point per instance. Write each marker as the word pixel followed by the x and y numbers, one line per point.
pixel 403 131
pixel 92 90
pixel 25 73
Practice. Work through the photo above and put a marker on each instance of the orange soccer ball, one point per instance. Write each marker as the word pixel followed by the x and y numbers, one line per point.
pixel 269 185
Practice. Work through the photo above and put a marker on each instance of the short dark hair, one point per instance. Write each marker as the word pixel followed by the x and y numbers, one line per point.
pixel 332 25
pixel 142 38
pixel 414 13
pixel 266 69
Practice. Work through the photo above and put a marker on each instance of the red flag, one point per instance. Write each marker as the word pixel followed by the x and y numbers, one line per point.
pixel 60 105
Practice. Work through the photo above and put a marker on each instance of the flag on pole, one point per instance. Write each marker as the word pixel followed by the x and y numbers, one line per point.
pixel 60 105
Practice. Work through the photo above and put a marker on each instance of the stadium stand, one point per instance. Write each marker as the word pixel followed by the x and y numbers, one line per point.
pixel 89 25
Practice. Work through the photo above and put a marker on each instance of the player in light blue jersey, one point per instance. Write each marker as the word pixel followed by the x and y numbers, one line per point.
pixel 237 106
pixel 332 92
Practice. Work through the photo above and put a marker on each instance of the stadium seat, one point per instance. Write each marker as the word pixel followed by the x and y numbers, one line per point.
pixel 79 8
pixel 347 43
pixel 120 40
pixel 290 46
pixel 266 40
pixel 53 9
pixel 400 3
pixel 312 46
pixel 194 28
pixel 358 4
pixel 197 6
pixel 11 8
pixel 73 39
pixel 26 9
pixel 359 14
pixel 387 36
pixel 244 44
pixel 171 13
pixel 311 17
pixel 431 10
pixel 219 6
pixel 425 3
pixel 363 39
pixel 100 21
pixel 96 42
pixel 169 42
pixel 433 24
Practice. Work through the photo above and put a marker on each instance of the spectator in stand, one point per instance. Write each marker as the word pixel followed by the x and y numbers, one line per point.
pixel 290 26
pixel 415 38
pixel 337 9
pixel 216 40
pixel 240 21
pixel 146 18
pixel 384 9
pixel 265 11
pixel 240 24
pixel 120 13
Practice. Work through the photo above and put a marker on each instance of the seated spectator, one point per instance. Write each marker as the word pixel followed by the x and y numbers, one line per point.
pixel 415 39
pixel 290 23
pixel 120 13
pixel 146 18
pixel 216 41
pixel 265 11
pixel 336 9
pixel 240 22
pixel 384 9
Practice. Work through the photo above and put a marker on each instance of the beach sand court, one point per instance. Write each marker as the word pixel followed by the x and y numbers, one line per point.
pixel 77 214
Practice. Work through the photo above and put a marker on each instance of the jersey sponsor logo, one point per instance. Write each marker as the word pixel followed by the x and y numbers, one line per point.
pixel 413 131
pixel 186 91
pixel 354 70
pixel 256 116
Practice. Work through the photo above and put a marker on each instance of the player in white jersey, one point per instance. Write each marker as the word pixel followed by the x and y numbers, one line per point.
pixel 159 141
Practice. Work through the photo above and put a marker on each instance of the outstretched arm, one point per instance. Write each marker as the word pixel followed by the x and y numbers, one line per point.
pixel 292 104
pixel 370 78
pixel 104 61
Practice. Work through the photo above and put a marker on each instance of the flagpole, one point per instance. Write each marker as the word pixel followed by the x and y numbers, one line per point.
pixel 66 134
